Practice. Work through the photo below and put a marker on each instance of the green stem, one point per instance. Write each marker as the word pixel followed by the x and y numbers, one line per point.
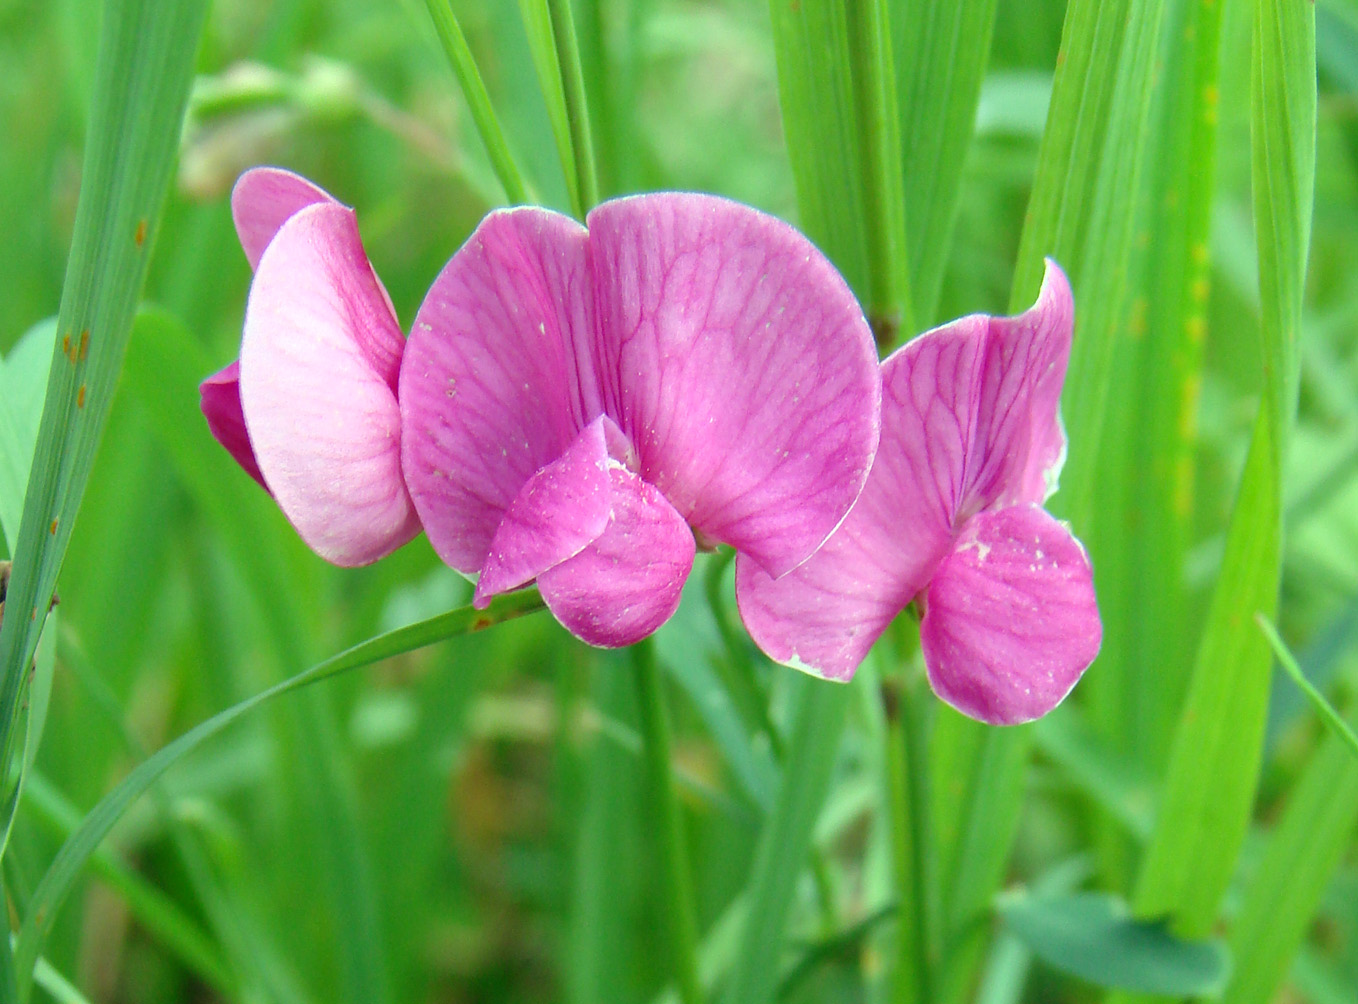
pixel 478 100
pixel 737 672
pixel 577 109
pixel 678 883
pixel 907 783
pixel 874 83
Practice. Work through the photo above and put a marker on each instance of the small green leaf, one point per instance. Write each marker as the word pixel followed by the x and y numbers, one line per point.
pixel 1093 936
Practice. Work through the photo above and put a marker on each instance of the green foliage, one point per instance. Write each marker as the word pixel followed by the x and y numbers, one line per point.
pixel 1093 936
pixel 498 819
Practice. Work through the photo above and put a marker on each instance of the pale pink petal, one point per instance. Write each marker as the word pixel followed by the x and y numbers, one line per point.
pixel 558 511
pixel 490 384
pixel 824 616
pixel 740 366
pixel 1010 622
pixel 219 398
pixel 263 200
pixel 627 583
pixel 1019 445
pixel 318 366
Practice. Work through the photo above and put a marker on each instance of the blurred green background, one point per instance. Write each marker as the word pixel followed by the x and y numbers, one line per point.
pixel 461 824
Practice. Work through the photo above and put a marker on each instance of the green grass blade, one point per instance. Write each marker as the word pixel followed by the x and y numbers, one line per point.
pixel 942 48
pixel 1209 790
pixel 1143 522
pixel 58 987
pixel 551 38
pixel 70 861
pixel 1082 211
pixel 162 370
pixel 879 136
pixel 142 79
pixel 818 712
pixel 478 100
pixel 814 46
pixel 1302 852
pixel 1332 719
pixel 157 912
pixel 537 23
pixel 577 108
pixel 667 822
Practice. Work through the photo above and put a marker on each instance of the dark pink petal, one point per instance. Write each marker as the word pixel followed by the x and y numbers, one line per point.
pixel 263 200
pixel 559 510
pixel 318 366
pixel 824 616
pixel 219 397
pixel 489 385
pixel 627 583
pixel 1018 444
pixel 1010 621
pixel 739 365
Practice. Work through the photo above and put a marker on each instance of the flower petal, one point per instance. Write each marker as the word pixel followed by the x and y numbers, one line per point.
pixel 740 366
pixel 489 382
pixel 319 358
pixel 627 583
pixel 1010 620
pixel 559 510
pixel 219 398
pixel 1018 445
pixel 825 615
pixel 263 200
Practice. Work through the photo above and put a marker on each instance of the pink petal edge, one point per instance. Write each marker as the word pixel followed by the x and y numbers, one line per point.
pixel 560 509
pixel 488 386
pixel 219 399
pixel 1010 619
pixel 738 362
pixel 263 199
pixel 628 582
pixel 319 358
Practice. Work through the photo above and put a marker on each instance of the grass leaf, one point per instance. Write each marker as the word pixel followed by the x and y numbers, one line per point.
pixel 942 49
pixel 818 714
pixel 1214 765
pixel 70 861
pixel 142 79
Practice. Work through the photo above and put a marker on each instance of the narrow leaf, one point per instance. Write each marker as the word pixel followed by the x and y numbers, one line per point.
pixel 478 100
pixel 56 884
pixel 942 48
pixel 1214 765
pixel 818 716
pixel 1332 719
pixel 1303 850
pixel 142 79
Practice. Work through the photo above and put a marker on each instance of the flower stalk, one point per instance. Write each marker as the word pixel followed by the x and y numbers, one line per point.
pixel 677 880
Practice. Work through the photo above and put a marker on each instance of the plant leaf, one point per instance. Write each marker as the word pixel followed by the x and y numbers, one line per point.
pixel 1093 936
pixel 142 79
pixel 1214 764
pixel 818 713
pixel 56 884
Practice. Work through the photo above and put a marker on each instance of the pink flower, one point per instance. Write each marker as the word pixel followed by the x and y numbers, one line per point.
pixel 577 404
pixel 952 517
pixel 309 411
